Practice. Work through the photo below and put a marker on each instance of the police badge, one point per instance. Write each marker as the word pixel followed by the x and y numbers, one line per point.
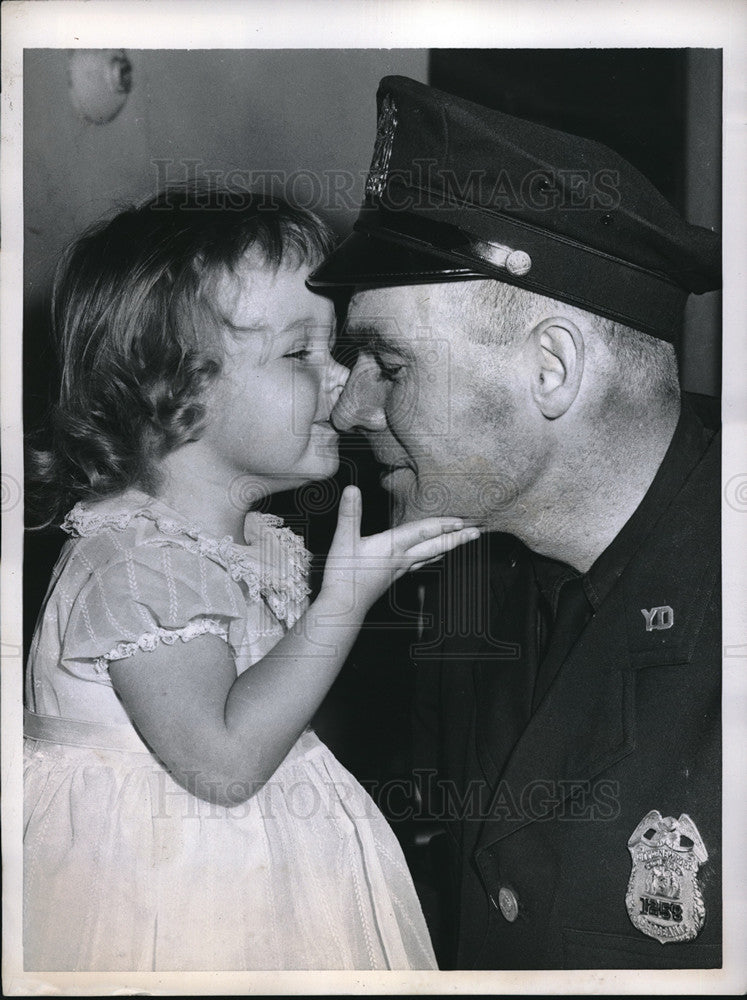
pixel 664 899
pixel 385 129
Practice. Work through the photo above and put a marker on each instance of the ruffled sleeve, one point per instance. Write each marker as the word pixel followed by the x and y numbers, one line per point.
pixel 152 594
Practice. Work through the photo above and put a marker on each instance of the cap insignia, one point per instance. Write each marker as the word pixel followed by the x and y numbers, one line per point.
pixel 385 129
pixel 664 899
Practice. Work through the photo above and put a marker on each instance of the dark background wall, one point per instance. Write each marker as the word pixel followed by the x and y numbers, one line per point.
pixel 309 118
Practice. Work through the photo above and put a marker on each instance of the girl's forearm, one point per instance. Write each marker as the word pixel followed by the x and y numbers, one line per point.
pixel 272 702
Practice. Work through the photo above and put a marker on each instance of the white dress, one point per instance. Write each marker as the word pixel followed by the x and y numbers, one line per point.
pixel 124 869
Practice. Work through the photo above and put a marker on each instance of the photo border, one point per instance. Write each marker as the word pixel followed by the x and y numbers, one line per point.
pixel 359 24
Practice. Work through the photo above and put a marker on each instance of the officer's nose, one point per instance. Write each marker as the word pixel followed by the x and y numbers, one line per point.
pixel 361 404
pixel 337 376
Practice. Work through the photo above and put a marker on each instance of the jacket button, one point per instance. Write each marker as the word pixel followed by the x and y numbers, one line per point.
pixel 508 904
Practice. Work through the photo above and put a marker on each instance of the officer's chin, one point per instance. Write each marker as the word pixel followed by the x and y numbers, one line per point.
pixel 404 507
pixel 410 502
pixel 399 510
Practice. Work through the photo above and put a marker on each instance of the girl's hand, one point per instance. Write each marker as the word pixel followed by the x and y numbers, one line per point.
pixel 359 570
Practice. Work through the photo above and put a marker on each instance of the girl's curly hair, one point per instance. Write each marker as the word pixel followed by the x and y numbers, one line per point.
pixel 137 341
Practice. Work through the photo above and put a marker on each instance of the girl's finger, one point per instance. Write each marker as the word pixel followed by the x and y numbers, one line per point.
pixel 349 513
pixel 433 548
pixel 405 536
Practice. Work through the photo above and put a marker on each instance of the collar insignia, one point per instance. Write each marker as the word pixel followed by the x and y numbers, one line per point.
pixel 663 899
pixel 658 618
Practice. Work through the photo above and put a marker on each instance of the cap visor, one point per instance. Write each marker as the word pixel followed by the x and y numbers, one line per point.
pixel 362 259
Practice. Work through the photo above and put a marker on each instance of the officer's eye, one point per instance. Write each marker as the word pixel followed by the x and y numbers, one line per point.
pixel 300 354
pixel 388 372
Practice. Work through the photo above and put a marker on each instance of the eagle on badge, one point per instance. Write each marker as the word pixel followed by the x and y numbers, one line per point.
pixel 664 900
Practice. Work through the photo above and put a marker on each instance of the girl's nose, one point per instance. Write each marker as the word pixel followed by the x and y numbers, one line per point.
pixel 337 378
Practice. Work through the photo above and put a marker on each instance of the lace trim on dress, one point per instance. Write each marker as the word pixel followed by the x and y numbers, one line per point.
pixel 284 588
pixel 149 641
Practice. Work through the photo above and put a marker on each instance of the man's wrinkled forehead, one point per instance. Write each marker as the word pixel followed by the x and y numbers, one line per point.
pixel 393 317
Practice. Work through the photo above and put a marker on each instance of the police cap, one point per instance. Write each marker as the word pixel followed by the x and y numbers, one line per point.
pixel 457 191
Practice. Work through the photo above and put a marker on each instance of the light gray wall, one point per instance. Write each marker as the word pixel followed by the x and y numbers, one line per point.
pixel 300 112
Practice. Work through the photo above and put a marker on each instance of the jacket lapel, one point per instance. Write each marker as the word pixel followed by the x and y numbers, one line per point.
pixel 501 673
pixel 552 756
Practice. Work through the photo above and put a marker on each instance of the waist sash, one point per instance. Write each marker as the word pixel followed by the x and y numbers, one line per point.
pixel 74 733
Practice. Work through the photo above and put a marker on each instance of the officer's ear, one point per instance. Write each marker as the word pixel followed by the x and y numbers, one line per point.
pixel 557 365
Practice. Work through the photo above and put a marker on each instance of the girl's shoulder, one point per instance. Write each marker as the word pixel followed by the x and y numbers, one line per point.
pixel 137 529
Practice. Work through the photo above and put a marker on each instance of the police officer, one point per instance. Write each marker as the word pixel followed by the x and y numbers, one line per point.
pixel 517 295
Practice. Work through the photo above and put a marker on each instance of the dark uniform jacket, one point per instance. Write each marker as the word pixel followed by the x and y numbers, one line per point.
pixel 542 771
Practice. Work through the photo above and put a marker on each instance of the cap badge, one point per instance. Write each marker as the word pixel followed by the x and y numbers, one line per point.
pixel 664 899
pixel 385 129
pixel 516 262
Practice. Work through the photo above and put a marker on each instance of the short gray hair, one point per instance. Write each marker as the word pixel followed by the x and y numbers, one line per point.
pixel 495 313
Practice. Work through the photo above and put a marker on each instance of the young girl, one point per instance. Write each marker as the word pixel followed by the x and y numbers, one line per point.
pixel 180 814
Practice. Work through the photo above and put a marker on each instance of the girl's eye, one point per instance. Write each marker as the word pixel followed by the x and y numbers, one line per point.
pixel 301 354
